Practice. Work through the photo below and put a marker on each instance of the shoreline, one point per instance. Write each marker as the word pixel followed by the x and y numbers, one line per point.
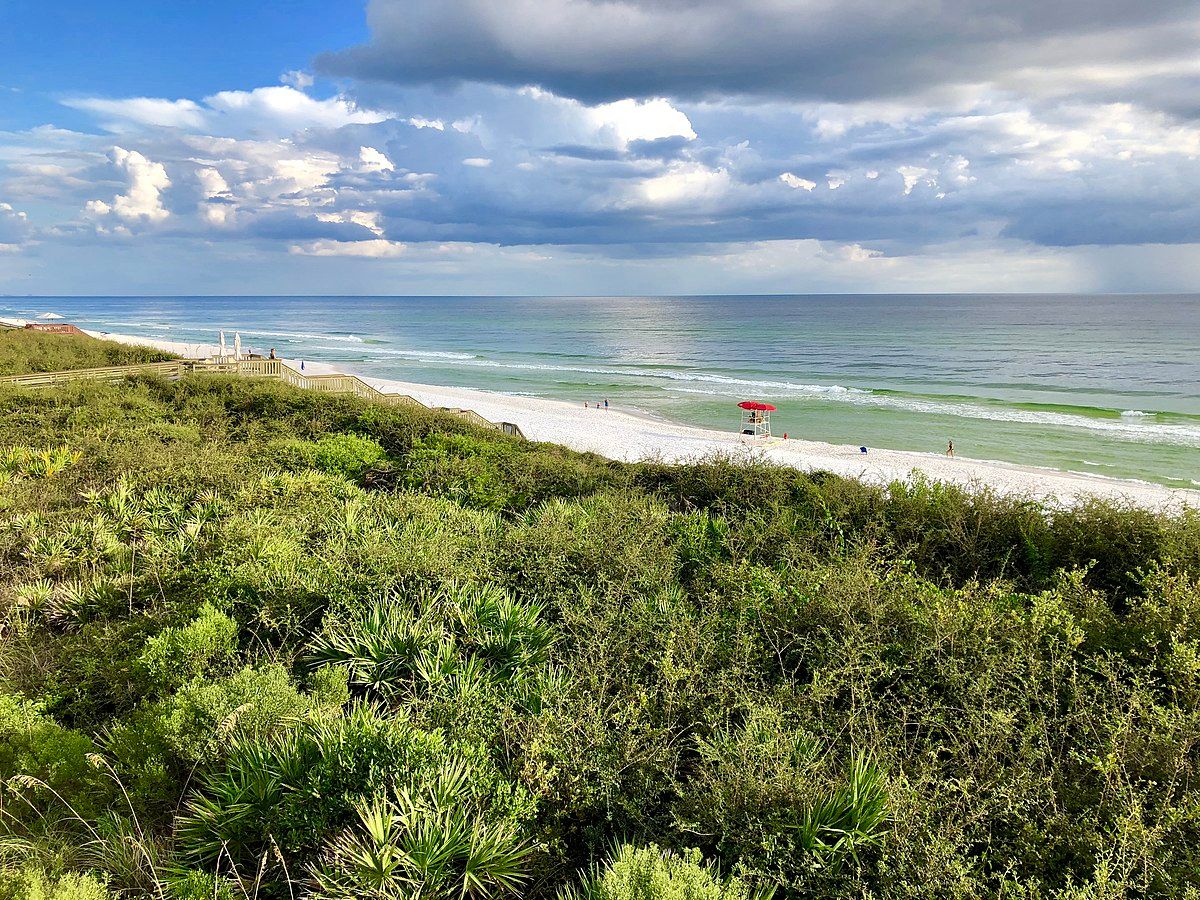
pixel 636 436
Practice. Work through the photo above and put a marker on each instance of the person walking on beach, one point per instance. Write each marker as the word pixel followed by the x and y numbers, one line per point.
pixel 950 449
pixel 606 403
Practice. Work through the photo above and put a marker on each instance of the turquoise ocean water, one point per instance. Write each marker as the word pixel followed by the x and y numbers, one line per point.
pixel 1108 385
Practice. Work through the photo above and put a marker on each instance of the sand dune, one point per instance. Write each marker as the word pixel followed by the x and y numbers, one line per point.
pixel 627 435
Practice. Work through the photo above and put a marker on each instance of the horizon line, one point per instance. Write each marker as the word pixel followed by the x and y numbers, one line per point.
pixel 631 296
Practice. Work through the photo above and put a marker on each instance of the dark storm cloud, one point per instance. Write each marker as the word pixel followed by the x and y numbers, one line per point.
pixel 803 49
pixel 1103 222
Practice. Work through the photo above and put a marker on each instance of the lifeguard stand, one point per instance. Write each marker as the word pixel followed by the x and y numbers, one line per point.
pixel 756 417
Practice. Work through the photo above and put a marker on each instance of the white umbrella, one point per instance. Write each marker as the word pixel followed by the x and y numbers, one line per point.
pixel 237 345
pixel 221 355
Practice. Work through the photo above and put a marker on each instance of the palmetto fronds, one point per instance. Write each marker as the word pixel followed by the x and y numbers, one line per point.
pixel 467 633
pixel 34 463
pixel 382 649
pixel 849 818
pixel 430 843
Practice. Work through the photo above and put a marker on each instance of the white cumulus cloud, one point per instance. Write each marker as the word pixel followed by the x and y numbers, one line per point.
pixel 14 228
pixel 297 79
pixel 143 197
pixel 914 175
pixel 376 249
pixel 795 181
pixel 367 219
pixel 686 182
pixel 153 111
pixel 278 109
pixel 640 120
pixel 288 109
pixel 375 160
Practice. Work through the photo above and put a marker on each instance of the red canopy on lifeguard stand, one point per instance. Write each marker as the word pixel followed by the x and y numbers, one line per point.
pixel 756 417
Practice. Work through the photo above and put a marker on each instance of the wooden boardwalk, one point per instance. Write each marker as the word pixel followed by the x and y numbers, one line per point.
pixel 253 368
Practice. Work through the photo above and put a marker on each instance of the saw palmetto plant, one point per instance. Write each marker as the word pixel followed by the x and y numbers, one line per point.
pixel 400 645
pixel 431 842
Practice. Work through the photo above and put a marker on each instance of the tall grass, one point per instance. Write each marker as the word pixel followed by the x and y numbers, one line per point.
pixel 327 648
pixel 23 352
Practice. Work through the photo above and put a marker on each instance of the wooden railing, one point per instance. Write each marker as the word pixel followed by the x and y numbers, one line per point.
pixel 254 368
pixel 169 370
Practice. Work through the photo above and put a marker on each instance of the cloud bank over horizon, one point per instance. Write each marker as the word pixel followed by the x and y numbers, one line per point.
pixel 683 146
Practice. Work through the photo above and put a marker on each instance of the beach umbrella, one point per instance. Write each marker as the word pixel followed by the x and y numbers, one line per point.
pixel 222 352
pixel 237 345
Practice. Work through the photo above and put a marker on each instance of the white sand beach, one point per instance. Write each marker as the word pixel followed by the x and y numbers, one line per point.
pixel 629 435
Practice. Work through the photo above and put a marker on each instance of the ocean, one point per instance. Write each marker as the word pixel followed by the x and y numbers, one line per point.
pixel 1106 385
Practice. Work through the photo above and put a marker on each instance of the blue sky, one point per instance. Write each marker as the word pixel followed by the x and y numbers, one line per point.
pixel 577 146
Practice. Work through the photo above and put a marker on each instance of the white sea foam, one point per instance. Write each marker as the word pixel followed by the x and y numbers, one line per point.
pixel 157 326
pixel 303 335
pixel 1113 478
pixel 702 377
pixel 796 389
pixel 1131 425
pixel 1132 428
pixel 1127 428
pixel 621 435
pixel 422 354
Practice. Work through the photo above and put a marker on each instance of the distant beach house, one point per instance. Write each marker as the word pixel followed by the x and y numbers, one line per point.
pixel 56 328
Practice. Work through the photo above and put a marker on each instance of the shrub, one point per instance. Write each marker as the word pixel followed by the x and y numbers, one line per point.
pixel 204 646
pixel 250 704
pixel 450 639
pixel 435 841
pixel 35 884
pixel 648 873
pixel 487 471
pixel 348 455
pixel 25 350
pixel 202 719
pixel 38 463
pixel 766 792
pixel 198 885
pixel 45 764
pixel 618 542
pixel 299 789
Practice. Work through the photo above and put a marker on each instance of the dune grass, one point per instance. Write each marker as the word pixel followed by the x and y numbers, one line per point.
pixel 262 642
pixel 23 352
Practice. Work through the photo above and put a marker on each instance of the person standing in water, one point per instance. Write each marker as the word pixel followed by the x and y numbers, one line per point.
pixel 950 448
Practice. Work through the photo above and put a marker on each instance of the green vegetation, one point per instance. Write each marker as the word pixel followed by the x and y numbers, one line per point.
pixel 258 642
pixel 23 352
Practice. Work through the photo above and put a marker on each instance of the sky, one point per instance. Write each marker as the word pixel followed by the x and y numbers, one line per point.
pixel 599 146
